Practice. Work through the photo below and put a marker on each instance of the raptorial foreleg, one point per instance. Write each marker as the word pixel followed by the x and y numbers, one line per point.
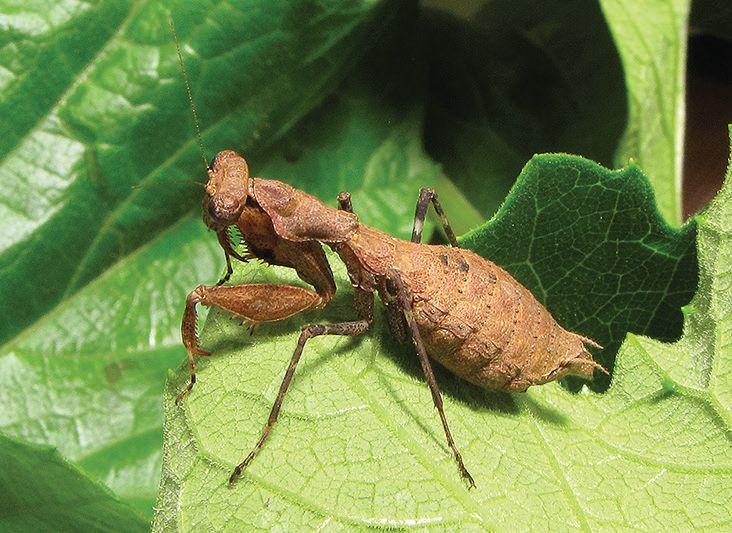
pixel 229 252
pixel 254 303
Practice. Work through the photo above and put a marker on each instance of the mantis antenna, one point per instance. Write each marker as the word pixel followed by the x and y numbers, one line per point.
pixel 199 137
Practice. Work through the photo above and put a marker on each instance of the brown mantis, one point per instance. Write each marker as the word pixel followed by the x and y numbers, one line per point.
pixel 457 307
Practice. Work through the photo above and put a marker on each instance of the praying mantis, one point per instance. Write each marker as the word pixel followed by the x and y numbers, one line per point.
pixel 457 308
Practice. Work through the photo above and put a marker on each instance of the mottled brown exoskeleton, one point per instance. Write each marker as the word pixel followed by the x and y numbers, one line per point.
pixel 457 307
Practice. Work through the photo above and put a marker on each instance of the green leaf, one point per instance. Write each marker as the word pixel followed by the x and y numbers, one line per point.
pixel 42 492
pixel 591 246
pixel 651 38
pixel 87 376
pixel 94 272
pixel 358 443
pixel 699 365
pixel 518 78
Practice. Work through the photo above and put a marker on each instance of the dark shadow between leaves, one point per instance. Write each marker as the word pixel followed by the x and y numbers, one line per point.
pixel 510 81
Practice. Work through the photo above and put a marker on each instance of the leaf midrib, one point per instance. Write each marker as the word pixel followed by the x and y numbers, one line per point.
pixel 556 467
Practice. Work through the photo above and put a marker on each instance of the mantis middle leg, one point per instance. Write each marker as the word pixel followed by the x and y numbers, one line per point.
pixel 364 302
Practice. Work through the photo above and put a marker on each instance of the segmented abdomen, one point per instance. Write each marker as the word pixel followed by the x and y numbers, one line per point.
pixel 483 325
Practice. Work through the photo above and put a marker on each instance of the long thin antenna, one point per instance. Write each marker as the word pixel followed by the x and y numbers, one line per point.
pixel 188 90
pixel 166 183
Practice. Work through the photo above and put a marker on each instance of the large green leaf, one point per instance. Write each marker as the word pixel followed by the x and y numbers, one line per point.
pixel 358 442
pixel 651 38
pixel 94 271
pixel 41 492
pixel 87 376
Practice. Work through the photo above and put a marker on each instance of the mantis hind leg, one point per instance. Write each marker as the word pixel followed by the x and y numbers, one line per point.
pixel 426 196
pixel 355 328
pixel 405 302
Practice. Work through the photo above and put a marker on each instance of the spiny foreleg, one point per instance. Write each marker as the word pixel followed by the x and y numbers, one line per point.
pixel 229 252
pixel 254 303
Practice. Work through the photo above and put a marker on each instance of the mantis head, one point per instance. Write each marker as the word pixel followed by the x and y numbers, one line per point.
pixel 226 191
